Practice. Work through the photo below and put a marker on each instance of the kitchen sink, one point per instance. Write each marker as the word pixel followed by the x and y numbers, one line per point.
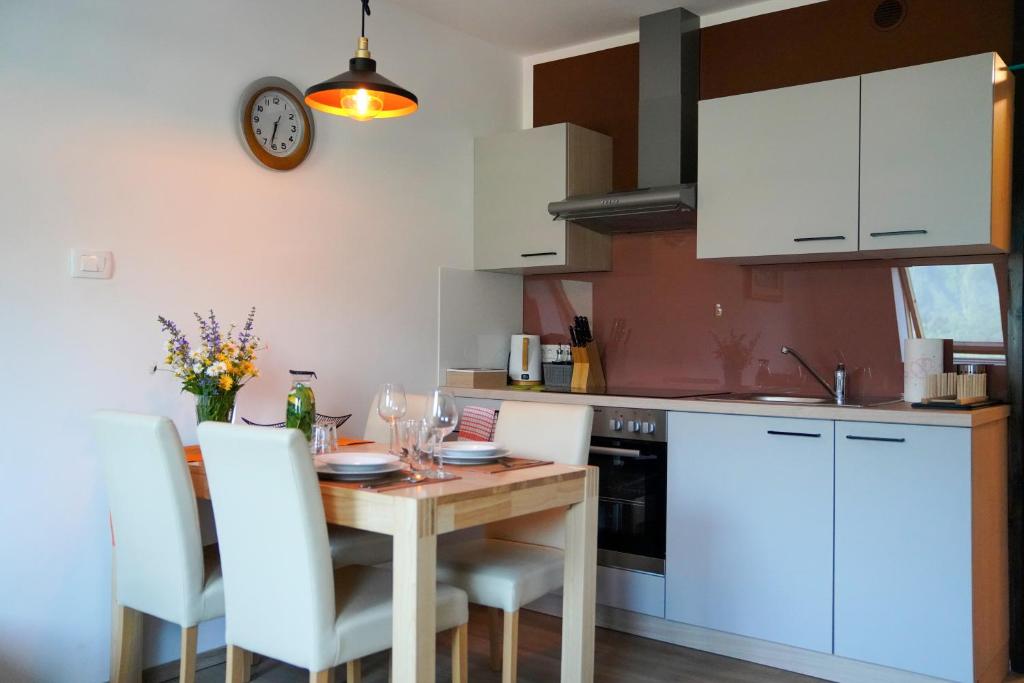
pixel 796 399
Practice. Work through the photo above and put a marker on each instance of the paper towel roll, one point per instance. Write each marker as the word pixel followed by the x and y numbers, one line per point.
pixel 921 357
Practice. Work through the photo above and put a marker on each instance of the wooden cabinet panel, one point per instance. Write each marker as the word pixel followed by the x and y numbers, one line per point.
pixel 903 547
pixel 777 172
pixel 750 527
pixel 929 163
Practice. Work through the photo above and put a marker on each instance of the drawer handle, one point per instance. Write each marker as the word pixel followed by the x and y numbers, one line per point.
pixel 819 239
pixel 897 233
pixel 774 432
pixel 886 439
pixel 540 253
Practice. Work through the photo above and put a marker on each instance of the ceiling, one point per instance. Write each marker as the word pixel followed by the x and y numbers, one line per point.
pixel 531 26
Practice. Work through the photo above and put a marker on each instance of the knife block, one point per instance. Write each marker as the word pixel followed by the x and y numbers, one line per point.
pixel 587 373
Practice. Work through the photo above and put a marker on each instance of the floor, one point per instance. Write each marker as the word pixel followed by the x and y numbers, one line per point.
pixel 620 658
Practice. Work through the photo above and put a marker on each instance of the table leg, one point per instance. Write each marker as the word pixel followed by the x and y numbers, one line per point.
pixel 578 592
pixel 415 591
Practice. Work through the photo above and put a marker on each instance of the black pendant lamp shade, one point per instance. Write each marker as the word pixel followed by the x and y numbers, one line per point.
pixel 361 93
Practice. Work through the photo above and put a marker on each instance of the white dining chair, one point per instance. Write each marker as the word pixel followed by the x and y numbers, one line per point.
pixel 283 598
pixel 160 566
pixel 377 429
pixel 521 559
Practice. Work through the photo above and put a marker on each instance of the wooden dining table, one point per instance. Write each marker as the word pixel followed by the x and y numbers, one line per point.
pixel 414 516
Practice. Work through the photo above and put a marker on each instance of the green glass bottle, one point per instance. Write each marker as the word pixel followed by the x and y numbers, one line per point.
pixel 301 412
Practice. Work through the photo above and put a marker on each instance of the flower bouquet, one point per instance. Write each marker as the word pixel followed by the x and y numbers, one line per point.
pixel 217 369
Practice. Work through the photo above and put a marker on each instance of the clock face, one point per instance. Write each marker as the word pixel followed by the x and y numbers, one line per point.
pixel 276 125
pixel 277 122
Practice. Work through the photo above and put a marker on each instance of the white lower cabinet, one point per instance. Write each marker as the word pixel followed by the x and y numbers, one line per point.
pixel 903 547
pixel 750 526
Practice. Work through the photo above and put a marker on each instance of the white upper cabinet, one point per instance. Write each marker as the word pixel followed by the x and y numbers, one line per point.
pixel 516 175
pixel 777 172
pixel 935 157
pixel 907 162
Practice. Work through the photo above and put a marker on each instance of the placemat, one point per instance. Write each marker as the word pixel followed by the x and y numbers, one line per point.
pixel 390 483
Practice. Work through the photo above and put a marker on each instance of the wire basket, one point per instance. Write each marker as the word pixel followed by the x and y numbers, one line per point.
pixel 322 420
pixel 558 375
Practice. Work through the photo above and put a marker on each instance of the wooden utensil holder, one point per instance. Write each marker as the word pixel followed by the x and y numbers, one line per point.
pixel 587 373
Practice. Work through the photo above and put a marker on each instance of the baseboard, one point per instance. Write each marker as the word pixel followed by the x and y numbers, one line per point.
pixel 807 662
pixel 169 670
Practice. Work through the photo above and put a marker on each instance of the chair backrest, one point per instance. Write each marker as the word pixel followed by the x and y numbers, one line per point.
pixel 158 547
pixel 278 576
pixel 550 432
pixel 377 429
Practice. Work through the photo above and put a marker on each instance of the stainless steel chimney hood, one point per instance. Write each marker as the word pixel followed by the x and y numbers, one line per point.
pixel 667 159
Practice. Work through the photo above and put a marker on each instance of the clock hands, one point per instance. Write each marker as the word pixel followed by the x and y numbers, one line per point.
pixel 274 134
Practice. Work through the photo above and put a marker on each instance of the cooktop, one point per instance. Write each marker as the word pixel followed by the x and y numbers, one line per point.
pixel 647 392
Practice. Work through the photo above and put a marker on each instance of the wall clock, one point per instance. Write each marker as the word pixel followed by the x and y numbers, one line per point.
pixel 276 125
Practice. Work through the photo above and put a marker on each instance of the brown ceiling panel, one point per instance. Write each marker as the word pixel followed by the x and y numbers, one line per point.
pixel 598 91
pixel 839 38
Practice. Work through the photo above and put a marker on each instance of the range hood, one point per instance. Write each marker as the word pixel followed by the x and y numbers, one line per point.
pixel 667 160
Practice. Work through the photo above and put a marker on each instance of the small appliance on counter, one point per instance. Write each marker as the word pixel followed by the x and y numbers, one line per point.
pixel 524 360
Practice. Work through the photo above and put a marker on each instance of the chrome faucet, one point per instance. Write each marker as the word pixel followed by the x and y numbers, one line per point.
pixel 838 392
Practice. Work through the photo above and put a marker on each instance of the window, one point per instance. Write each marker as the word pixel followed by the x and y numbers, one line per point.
pixel 959 302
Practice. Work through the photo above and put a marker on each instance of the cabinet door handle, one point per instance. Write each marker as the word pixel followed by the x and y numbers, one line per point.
pixel 774 432
pixel 540 253
pixel 819 239
pixel 885 439
pixel 897 233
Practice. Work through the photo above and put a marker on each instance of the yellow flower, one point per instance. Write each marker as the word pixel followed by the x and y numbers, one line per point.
pixel 225 382
pixel 168 360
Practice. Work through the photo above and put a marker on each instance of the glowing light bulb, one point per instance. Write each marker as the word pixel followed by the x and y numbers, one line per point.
pixel 361 106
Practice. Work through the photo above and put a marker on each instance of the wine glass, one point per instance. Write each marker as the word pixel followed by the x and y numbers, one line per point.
pixel 390 407
pixel 443 416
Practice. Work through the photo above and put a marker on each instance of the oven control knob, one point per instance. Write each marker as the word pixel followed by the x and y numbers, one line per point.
pixel 633 425
pixel 615 424
pixel 647 428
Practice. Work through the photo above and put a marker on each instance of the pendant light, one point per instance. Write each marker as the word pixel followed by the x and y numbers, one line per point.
pixel 361 93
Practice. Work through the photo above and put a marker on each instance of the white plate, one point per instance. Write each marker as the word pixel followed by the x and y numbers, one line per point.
pixel 351 476
pixel 475 459
pixel 471 448
pixel 359 462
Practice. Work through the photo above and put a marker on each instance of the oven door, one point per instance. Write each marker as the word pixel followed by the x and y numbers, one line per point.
pixel 631 504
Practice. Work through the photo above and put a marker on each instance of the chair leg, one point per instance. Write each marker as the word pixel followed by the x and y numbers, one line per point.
pixel 510 646
pixel 126 645
pixel 187 662
pixel 354 671
pixel 391 666
pixel 325 676
pixel 494 633
pixel 238 665
pixel 460 654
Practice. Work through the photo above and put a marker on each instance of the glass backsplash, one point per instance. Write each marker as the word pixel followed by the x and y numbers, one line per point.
pixel 665 320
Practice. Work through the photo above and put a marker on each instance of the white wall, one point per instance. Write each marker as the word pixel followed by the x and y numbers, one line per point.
pixel 118 122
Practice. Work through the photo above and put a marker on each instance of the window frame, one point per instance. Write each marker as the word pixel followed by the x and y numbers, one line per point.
pixel 964 351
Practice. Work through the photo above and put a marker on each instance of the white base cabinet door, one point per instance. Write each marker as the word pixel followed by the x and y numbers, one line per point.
pixel 749 526
pixel 903 547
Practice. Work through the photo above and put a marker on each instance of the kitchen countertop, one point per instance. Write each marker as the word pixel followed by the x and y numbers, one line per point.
pixel 895 413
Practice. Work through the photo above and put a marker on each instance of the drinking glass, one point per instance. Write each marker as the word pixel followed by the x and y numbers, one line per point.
pixel 443 416
pixel 421 455
pixel 321 440
pixel 390 407
pixel 408 432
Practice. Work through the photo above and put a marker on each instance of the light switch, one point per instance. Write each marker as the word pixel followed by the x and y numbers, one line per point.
pixel 90 263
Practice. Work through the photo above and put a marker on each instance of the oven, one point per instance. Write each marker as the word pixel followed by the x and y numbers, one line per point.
pixel 629 447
